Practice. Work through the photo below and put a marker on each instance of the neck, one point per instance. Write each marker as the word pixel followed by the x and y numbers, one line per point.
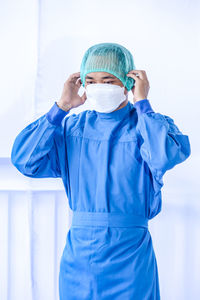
pixel 122 104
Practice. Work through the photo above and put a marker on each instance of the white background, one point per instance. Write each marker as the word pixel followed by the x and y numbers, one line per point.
pixel 42 43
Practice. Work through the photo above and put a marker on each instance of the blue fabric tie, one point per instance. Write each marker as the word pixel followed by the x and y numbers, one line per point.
pixel 111 219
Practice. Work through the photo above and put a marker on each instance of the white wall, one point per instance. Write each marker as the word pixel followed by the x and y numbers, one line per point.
pixel 42 43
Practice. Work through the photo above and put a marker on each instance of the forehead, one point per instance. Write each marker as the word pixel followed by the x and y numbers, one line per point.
pixel 98 75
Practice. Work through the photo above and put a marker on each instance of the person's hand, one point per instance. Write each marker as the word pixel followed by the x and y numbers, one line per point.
pixel 70 98
pixel 141 88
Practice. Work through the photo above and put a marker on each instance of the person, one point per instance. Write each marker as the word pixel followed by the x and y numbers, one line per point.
pixel 111 159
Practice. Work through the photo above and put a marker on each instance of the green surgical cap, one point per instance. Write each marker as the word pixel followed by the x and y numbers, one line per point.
pixel 111 58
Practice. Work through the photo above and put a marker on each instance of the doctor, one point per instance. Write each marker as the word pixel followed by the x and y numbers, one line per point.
pixel 111 159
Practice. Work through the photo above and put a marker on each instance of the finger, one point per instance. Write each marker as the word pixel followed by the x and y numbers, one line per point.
pixel 141 73
pixel 137 73
pixel 133 76
pixel 78 81
pixel 75 75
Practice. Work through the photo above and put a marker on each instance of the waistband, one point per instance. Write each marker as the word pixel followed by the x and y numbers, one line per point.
pixel 111 219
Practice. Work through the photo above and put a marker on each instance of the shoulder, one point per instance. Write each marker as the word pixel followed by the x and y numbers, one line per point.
pixel 74 121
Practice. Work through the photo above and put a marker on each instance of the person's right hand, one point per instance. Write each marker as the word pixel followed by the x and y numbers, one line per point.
pixel 70 98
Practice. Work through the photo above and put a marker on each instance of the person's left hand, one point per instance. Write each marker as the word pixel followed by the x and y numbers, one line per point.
pixel 141 88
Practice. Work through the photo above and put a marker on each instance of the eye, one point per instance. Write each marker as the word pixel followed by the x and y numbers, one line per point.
pixel 109 82
pixel 88 82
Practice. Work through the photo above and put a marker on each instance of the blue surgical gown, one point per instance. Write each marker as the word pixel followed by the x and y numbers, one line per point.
pixel 110 164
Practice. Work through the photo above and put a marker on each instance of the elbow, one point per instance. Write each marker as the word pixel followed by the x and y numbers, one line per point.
pixel 178 151
pixel 21 166
pixel 15 159
pixel 22 169
pixel 182 150
pixel 187 147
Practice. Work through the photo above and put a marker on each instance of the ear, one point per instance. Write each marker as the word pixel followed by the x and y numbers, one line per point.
pixel 125 90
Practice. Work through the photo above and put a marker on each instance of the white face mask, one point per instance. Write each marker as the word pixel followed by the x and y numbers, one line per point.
pixel 105 97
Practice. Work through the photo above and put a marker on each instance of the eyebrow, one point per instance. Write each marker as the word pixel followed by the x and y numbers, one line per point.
pixel 105 77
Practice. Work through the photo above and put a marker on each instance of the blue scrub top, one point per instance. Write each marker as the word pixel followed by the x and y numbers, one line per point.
pixel 109 163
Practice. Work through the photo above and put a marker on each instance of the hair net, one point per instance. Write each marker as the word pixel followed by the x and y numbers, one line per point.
pixel 111 58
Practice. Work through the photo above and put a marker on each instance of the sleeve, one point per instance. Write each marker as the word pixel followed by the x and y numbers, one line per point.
pixel 163 144
pixel 35 151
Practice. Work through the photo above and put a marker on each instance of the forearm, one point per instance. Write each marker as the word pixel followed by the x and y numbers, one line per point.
pixel 164 145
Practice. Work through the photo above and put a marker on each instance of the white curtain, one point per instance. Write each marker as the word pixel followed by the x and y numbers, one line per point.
pixel 42 43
